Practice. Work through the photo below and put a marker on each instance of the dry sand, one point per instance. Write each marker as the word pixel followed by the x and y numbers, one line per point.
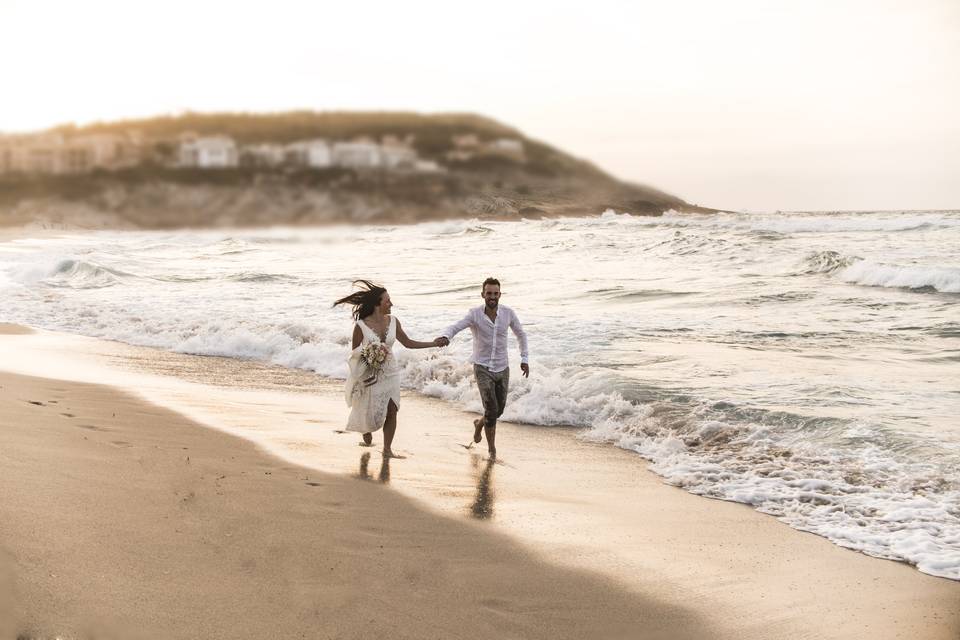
pixel 122 518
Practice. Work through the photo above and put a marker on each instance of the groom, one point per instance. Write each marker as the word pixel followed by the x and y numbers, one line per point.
pixel 489 323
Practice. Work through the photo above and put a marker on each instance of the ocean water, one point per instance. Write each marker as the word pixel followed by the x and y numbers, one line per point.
pixel 807 364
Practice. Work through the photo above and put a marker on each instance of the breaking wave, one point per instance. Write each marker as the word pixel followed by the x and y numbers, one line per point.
pixel 826 262
pixel 872 274
pixel 73 273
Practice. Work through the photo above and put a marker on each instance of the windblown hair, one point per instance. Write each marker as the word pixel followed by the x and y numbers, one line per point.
pixel 365 300
pixel 489 281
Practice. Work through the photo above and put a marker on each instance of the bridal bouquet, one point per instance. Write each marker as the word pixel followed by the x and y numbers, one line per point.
pixel 374 354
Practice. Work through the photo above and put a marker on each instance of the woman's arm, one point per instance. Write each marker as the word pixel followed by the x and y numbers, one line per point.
pixel 413 344
pixel 357 336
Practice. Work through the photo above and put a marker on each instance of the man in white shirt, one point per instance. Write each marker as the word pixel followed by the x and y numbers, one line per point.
pixel 488 324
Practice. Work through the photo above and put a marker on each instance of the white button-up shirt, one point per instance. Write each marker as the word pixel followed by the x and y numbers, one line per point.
pixel 490 338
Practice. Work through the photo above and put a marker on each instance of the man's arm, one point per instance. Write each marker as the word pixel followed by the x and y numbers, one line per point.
pixel 518 331
pixel 457 327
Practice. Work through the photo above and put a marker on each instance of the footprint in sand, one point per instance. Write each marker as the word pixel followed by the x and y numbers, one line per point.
pixel 36 402
pixel 68 415
pixel 314 484
pixel 92 427
pixel 121 443
pixel 496 604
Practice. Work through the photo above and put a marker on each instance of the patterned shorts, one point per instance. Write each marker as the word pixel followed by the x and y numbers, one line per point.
pixel 493 388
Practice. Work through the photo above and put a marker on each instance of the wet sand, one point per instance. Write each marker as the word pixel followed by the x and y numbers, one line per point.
pixel 126 514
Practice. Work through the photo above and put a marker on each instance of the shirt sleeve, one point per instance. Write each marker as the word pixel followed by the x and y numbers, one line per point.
pixel 457 327
pixel 521 336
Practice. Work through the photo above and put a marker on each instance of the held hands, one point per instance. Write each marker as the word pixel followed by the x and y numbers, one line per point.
pixel 526 369
pixel 442 341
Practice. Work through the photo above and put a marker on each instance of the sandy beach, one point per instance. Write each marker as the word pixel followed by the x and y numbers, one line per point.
pixel 188 497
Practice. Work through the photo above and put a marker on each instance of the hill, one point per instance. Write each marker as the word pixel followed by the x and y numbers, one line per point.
pixel 473 177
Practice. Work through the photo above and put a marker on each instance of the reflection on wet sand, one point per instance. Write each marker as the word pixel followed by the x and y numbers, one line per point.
pixel 364 472
pixel 482 507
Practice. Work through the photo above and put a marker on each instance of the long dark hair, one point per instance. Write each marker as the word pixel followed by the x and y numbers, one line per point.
pixel 365 300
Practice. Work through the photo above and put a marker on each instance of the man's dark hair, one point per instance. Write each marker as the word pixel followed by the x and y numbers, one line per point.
pixel 489 281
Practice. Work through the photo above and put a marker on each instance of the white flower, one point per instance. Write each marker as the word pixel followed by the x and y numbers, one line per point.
pixel 374 354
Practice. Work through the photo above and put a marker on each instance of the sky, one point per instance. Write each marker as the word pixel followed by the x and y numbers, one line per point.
pixel 740 104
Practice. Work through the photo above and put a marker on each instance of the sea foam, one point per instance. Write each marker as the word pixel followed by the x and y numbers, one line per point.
pixel 608 293
pixel 869 273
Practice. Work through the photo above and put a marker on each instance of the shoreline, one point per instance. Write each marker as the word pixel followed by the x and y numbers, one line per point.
pixel 81 218
pixel 216 540
pixel 568 505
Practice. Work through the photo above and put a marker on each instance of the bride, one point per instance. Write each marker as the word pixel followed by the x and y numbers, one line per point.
pixel 373 393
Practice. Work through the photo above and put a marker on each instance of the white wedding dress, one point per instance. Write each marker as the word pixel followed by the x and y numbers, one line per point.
pixel 368 404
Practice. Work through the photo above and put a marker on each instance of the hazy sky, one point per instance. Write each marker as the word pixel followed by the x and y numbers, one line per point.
pixel 744 104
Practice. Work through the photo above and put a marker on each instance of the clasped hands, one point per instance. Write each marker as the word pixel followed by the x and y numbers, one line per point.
pixel 442 341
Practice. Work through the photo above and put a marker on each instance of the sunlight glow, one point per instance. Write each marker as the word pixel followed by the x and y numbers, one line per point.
pixel 742 104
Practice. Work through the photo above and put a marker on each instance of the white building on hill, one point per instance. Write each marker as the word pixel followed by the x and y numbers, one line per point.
pixel 310 153
pixel 357 155
pixel 56 153
pixel 214 152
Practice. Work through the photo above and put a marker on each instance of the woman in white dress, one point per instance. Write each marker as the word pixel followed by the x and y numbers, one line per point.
pixel 374 396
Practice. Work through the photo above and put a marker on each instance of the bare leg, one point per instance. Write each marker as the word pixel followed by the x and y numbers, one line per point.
pixel 478 429
pixel 491 433
pixel 389 429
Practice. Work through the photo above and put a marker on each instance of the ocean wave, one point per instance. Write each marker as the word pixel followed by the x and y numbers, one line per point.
pixel 856 270
pixel 72 273
pixel 826 262
pixel 229 247
pixel 685 244
pixel 944 330
pixel 457 228
pixel 253 276
pixel 776 226
pixel 182 279
pixel 778 298
pixel 621 294
pixel 873 274
pixel 859 496
pixel 460 289
pixel 846 224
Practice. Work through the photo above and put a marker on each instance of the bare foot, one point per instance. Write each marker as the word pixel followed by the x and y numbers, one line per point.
pixel 367 440
pixel 478 429
pixel 493 454
pixel 388 453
